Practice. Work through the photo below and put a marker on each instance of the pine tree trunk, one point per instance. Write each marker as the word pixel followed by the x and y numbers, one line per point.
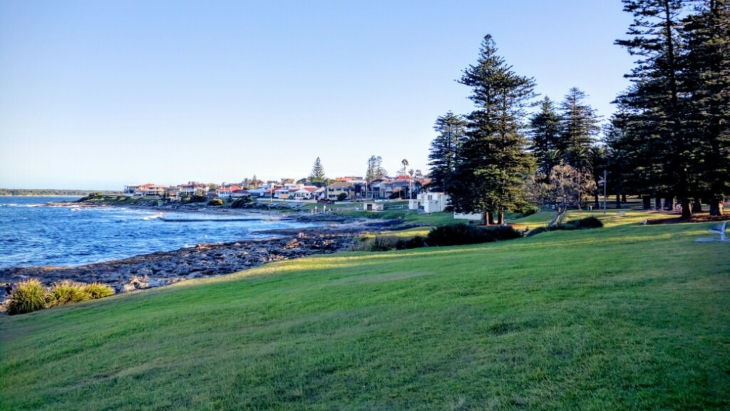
pixel 716 206
pixel 658 202
pixel 595 200
pixel 489 218
pixel 697 206
pixel 623 198
pixel 500 218
pixel 647 202
pixel 669 203
pixel 686 209
pixel 618 200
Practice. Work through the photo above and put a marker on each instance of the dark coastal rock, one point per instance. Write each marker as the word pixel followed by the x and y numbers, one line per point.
pixel 162 268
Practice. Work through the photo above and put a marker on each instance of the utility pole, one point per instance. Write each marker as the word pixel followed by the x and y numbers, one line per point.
pixel 605 191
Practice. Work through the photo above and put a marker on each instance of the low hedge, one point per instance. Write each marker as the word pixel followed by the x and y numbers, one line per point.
pixel 582 224
pixel 462 234
pixel 459 234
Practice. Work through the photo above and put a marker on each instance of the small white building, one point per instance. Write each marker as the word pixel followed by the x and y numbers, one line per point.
pixel 429 202
pixel 469 216
pixel 372 206
pixel 305 193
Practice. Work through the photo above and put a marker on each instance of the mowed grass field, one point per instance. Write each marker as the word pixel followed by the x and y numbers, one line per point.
pixel 627 317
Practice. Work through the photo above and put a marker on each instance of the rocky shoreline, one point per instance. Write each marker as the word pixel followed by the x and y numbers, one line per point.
pixel 203 260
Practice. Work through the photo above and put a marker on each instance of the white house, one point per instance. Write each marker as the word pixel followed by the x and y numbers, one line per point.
pixel 469 216
pixel 149 190
pixel 129 190
pixel 192 188
pixel 304 193
pixel 429 202
pixel 227 191
pixel 240 193
pixel 372 206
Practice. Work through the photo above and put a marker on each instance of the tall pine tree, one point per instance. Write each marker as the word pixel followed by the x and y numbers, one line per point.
pixel 317 176
pixel 495 161
pixel 578 129
pixel 707 74
pixel 544 136
pixel 445 149
pixel 655 100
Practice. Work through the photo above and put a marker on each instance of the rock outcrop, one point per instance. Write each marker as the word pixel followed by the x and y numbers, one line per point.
pixel 162 268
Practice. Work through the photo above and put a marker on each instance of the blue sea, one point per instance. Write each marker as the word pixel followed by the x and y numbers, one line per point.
pixel 33 234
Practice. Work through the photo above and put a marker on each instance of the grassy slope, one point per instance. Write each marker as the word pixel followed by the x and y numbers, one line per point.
pixel 626 317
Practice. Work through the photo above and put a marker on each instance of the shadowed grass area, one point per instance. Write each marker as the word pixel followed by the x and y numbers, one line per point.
pixel 624 317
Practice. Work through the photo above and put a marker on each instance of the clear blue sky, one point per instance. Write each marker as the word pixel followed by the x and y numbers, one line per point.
pixel 98 94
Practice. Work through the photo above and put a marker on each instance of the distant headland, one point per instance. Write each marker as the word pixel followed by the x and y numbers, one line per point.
pixel 52 192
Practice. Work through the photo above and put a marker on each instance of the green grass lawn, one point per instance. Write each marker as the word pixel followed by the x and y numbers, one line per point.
pixel 625 317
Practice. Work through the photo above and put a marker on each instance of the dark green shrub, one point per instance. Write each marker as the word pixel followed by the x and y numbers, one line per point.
pixel 409 243
pixel 461 234
pixel 342 197
pixel 588 222
pixel 241 202
pixel 216 202
pixel 503 232
pixel 537 231
pixel 98 290
pixel 378 243
pixel 582 224
pixel 27 296
pixel 194 199
pixel 66 292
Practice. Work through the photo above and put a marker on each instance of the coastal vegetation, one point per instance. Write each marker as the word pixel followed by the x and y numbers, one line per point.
pixel 667 141
pixel 31 295
pixel 626 317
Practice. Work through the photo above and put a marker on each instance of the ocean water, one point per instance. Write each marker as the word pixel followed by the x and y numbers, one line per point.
pixel 32 234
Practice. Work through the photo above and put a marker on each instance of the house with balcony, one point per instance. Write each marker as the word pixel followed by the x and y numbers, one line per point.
pixel 149 190
pixel 305 193
pixel 129 190
pixel 192 188
pixel 226 191
pixel 333 191
pixel 429 202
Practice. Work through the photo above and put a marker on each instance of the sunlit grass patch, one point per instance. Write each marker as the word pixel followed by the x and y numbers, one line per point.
pixel 623 317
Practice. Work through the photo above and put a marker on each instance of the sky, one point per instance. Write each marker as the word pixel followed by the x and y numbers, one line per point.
pixel 101 94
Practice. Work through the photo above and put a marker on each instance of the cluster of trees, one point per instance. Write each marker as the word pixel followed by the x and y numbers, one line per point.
pixel 375 168
pixel 669 137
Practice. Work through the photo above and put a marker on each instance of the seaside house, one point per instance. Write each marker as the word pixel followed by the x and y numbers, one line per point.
pixel 225 191
pixel 149 190
pixel 173 193
pixel 429 202
pixel 129 190
pixel 287 192
pixel 333 191
pixel 238 193
pixel 305 193
pixel 192 188
pixel 350 179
